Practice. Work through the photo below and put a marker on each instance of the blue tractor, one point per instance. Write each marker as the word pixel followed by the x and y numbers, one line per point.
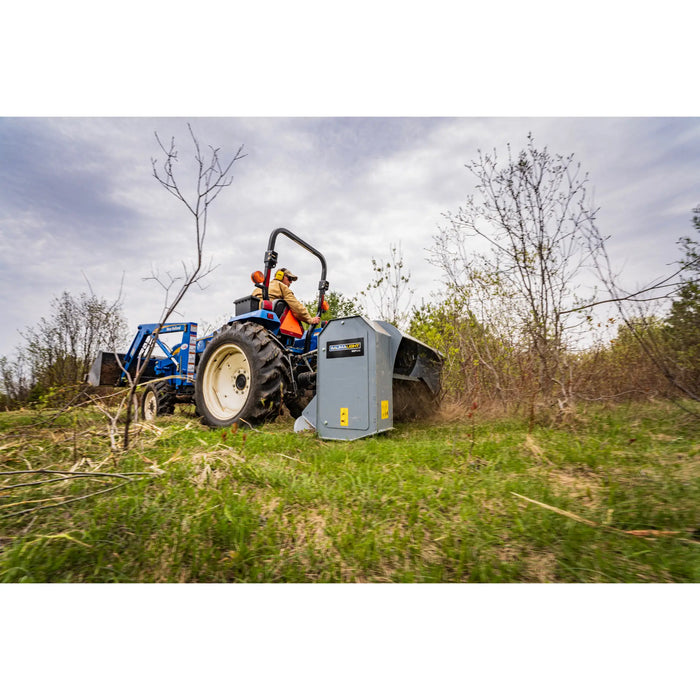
pixel 258 362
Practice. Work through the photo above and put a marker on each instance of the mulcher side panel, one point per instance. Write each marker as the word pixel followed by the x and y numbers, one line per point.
pixel 354 383
pixel 370 374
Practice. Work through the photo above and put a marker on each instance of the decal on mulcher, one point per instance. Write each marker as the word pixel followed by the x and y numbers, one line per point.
pixel 354 347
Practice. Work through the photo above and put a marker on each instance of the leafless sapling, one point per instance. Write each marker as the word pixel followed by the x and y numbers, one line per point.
pixel 212 176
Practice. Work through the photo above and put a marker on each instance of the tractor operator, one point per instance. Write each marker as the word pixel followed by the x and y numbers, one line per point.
pixel 279 289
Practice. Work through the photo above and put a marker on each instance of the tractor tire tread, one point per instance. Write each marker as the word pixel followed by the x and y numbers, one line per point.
pixel 270 369
pixel 165 399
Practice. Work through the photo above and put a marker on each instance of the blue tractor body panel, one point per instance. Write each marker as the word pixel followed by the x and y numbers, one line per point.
pixel 179 365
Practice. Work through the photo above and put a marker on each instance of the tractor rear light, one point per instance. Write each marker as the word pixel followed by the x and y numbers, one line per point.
pixel 324 305
pixel 257 277
pixel 271 315
pixel 267 305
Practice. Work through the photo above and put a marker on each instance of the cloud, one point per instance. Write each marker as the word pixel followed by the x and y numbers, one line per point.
pixel 78 199
pixel 48 173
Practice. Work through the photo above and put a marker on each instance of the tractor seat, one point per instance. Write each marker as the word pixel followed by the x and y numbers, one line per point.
pixel 279 307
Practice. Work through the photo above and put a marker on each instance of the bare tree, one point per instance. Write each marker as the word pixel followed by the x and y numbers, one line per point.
pixel 516 249
pixel 212 176
pixel 389 291
pixel 60 348
pixel 671 346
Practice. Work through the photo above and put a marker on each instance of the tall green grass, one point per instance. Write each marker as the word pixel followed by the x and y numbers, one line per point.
pixel 423 503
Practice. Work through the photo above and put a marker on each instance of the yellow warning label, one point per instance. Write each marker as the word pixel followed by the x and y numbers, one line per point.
pixel 343 417
pixel 385 410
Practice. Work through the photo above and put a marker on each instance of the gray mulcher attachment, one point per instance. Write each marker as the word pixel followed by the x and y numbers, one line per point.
pixel 369 373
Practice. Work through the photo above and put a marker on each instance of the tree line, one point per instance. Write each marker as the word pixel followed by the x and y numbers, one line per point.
pixel 58 351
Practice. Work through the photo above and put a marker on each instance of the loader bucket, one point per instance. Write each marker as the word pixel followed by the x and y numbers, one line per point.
pixel 369 373
pixel 106 370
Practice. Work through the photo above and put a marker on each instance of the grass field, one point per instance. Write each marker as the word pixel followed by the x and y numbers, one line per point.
pixel 614 496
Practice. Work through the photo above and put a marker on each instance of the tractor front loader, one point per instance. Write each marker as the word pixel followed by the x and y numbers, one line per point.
pixel 262 359
pixel 169 379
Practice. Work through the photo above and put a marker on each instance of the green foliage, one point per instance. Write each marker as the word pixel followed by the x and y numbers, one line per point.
pixel 16 382
pixel 444 325
pixel 684 329
pixel 427 503
pixel 340 306
pixel 62 347
pixel 480 363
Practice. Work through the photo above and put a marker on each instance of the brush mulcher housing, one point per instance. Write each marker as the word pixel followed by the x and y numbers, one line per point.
pixel 368 372
pixel 354 380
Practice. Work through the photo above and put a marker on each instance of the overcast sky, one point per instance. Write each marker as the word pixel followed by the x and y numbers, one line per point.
pixel 78 200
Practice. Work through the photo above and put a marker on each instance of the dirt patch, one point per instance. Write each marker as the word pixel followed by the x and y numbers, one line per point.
pixel 508 553
pixel 267 508
pixel 535 450
pixel 664 438
pixel 540 567
pixel 583 487
pixel 304 529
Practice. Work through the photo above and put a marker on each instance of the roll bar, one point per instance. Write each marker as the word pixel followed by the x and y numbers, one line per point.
pixel 271 262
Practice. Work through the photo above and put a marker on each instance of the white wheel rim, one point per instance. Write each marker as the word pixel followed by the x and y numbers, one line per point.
pixel 226 382
pixel 150 406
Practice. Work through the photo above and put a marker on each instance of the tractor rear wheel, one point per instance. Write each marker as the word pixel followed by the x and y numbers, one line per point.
pixel 157 400
pixel 241 377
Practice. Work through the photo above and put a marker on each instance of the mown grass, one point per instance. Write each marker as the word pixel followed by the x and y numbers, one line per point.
pixel 423 503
